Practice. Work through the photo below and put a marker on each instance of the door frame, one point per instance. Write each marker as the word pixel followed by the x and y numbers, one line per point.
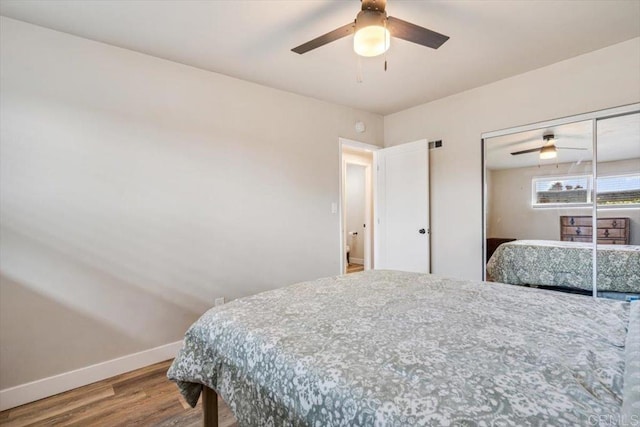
pixel 369 206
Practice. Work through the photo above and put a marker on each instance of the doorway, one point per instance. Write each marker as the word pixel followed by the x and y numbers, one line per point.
pixel 356 216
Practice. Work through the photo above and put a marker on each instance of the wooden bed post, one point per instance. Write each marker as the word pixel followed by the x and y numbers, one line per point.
pixel 210 407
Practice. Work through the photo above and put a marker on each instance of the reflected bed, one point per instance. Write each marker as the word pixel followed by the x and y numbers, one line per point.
pixel 566 265
pixel 395 348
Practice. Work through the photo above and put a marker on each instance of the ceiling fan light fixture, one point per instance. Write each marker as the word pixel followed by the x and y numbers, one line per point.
pixel 548 152
pixel 371 41
pixel 375 41
pixel 372 38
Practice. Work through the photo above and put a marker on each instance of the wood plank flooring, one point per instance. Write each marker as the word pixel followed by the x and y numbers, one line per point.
pixel 354 268
pixel 144 397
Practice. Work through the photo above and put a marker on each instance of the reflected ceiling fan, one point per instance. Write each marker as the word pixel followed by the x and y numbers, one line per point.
pixel 373 30
pixel 547 151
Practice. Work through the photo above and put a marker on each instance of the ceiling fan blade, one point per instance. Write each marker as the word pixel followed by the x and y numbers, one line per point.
pixel 414 33
pixel 331 36
pixel 532 150
pixel 377 5
pixel 570 148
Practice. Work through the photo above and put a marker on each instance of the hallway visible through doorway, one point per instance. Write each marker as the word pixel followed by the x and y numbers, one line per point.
pixel 356 230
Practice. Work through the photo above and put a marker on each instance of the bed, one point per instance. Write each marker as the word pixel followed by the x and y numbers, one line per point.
pixel 388 348
pixel 566 265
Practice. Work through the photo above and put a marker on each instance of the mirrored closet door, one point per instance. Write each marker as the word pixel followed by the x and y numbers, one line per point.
pixel 544 214
pixel 618 205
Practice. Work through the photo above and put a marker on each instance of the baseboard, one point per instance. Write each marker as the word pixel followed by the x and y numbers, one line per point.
pixel 39 389
pixel 359 261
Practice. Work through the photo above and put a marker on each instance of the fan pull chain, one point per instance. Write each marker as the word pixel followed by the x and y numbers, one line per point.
pixel 359 70
pixel 386 46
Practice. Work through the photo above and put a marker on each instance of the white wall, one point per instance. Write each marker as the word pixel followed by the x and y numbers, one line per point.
pixel 355 210
pixel 512 216
pixel 135 190
pixel 601 79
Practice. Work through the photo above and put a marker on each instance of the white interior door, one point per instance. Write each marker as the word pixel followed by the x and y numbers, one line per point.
pixel 402 238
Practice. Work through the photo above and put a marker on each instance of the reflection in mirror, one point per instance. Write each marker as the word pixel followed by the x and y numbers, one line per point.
pixel 539 208
pixel 618 206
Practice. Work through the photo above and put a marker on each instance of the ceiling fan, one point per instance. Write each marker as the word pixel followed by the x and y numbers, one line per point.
pixel 547 151
pixel 373 30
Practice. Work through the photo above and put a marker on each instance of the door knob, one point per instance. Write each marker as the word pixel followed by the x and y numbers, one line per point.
pixel 422 231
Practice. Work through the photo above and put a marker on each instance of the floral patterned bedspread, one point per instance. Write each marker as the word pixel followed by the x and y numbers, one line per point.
pixel 631 396
pixel 388 348
pixel 566 264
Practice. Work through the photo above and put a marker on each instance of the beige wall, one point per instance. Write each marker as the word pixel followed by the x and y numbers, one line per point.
pixel 512 216
pixel 134 191
pixel 601 79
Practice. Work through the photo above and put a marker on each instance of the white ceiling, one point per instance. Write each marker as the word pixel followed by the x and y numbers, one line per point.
pixel 251 40
pixel 618 139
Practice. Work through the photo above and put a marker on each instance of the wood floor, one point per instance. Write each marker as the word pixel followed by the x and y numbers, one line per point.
pixel 354 268
pixel 144 397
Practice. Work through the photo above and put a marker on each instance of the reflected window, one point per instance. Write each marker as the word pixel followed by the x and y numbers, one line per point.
pixel 575 191
pixel 567 190
pixel 619 191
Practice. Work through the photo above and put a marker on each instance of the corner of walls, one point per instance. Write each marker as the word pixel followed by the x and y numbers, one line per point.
pixel 593 81
pixel 135 189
